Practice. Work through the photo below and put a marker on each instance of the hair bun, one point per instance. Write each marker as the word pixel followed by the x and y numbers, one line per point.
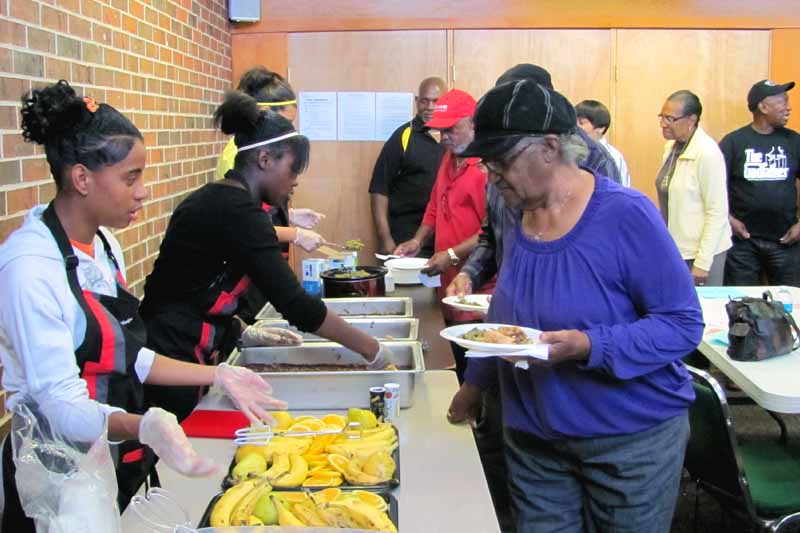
pixel 238 114
pixel 257 78
pixel 51 112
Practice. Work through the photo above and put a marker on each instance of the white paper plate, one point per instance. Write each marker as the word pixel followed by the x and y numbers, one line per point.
pixel 406 277
pixel 481 301
pixel 407 263
pixel 454 333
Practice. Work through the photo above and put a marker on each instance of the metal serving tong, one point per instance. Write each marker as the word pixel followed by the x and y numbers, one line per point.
pixel 340 247
pixel 261 435
pixel 159 510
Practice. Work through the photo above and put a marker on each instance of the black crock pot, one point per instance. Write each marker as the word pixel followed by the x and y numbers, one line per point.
pixel 339 287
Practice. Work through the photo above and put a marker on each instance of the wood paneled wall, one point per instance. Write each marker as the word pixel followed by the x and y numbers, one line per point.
pixel 785 65
pixel 579 61
pixel 719 66
pixel 252 49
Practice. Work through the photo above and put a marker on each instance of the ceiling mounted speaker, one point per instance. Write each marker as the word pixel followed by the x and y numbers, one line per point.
pixel 244 10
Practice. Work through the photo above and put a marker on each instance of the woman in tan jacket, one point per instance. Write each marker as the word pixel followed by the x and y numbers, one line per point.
pixel 692 191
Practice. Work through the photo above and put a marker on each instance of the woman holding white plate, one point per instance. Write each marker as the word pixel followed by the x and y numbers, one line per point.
pixel 595 435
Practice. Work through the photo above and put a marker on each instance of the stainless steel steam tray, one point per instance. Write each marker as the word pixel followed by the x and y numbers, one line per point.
pixel 400 306
pixel 338 389
pixel 383 329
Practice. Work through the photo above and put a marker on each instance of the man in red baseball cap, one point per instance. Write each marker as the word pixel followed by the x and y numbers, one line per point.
pixel 457 205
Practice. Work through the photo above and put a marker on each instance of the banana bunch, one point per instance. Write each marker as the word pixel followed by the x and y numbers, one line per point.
pixel 321 460
pixel 333 508
pixel 237 504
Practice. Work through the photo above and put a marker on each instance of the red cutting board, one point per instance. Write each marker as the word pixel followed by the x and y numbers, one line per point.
pixel 214 424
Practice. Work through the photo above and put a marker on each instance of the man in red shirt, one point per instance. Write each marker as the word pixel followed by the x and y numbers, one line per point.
pixel 457 205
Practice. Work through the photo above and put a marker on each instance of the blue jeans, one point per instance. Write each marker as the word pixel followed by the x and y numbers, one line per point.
pixel 624 483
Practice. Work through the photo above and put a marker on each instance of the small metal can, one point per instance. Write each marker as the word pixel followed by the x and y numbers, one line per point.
pixel 376 401
pixel 391 402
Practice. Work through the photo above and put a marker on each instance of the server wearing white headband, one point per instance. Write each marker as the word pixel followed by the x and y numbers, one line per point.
pixel 219 241
pixel 272 92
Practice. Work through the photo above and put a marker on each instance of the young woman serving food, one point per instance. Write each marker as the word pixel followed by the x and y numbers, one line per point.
pixel 71 339
pixel 219 241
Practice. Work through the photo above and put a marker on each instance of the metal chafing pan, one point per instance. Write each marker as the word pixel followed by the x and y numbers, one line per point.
pixel 333 389
pixel 383 329
pixel 400 306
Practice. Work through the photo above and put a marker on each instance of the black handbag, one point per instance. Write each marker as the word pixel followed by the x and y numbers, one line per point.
pixel 760 328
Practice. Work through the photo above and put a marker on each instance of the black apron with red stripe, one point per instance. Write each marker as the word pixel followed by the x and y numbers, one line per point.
pixel 201 330
pixel 114 335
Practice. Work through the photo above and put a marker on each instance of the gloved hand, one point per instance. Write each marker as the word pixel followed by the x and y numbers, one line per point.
pixel 305 218
pixel 308 240
pixel 159 429
pixel 382 360
pixel 260 335
pixel 250 393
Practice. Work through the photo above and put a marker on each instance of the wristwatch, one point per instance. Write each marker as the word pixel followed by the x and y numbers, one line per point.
pixel 453 257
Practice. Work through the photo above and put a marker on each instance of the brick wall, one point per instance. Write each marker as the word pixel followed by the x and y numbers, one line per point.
pixel 165 63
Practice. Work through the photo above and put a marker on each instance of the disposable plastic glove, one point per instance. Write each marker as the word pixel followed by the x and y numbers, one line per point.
pixel 308 240
pixel 159 429
pixel 260 335
pixel 249 393
pixel 305 218
pixel 382 360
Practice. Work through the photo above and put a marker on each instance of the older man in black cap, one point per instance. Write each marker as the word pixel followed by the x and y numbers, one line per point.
pixel 763 162
pixel 595 434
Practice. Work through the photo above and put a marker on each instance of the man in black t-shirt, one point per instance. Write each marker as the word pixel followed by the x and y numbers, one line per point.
pixel 405 172
pixel 763 162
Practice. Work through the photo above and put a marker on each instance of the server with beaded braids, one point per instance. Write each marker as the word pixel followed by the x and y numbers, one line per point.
pixel 71 340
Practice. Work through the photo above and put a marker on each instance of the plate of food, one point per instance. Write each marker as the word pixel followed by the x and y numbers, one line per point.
pixel 471 302
pixel 492 338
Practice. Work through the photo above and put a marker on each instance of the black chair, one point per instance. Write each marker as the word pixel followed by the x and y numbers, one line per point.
pixel 759 481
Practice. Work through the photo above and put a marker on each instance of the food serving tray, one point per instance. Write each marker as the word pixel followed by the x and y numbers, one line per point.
pixel 383 329
pixel 393 512
pixel 400 306
pixel 337 389
pixel 227 482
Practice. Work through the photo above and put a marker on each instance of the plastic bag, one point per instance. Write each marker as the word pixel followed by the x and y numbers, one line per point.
pixel 65 486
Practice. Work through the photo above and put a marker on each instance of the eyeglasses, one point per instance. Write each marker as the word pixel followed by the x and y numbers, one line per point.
pixel 669 119
pixel 500 166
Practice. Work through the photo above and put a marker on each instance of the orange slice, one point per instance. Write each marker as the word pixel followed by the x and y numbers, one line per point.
pixel 328 495
pixel 323 481
pixel 338 462
pixel 338 421
pixel 371 499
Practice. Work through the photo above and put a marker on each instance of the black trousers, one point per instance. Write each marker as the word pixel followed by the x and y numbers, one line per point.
pixel 751 260
pixel 490 441
pixel 14 519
